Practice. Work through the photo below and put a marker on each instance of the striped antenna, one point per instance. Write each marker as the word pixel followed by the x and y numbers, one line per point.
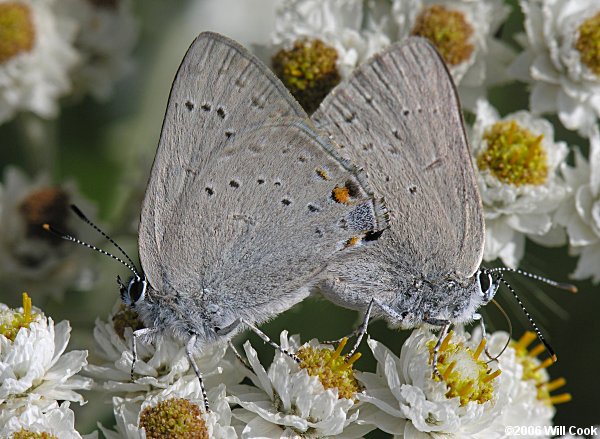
pixel 67 237
pixel 535 327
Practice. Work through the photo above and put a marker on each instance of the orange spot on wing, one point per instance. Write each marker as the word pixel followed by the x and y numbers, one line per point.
pixel 341 194
pixel 353 241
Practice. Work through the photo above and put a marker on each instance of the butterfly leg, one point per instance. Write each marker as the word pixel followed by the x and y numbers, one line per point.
pixel 237 355
pixel 362 329
pixel 262 335
pixel 134 337
pixel 189 348
pixel 339 340
pixel 436 349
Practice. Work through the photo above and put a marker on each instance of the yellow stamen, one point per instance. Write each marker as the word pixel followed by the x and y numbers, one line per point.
pixel 338 351
pixel 464 391
pixel 544 364
pixel 449 370
pixel 353 359
pixel 446 341
pixel 491 376
pixel 525 340
pixel 27 307
pixel 479 349
pixel 554 384
pixel 560 399
pixel 537 350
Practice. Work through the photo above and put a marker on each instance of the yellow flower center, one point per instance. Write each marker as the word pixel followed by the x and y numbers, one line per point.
pixel 11 321
pixel 332 369
pixel 532 370
pixel 126 318
pixel 448 30
pixel 174 418
pixel 17 33
pixel 308 70
pixel 26 434
pixel 47 205
pixel 588 43
pixel 465 375
pixel 514 155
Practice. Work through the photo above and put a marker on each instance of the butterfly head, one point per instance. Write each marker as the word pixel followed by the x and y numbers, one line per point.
pixel 134 292
pixel 487 285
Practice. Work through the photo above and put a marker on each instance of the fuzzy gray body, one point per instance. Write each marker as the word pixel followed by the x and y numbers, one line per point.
pixel 238 216
pixel 399 117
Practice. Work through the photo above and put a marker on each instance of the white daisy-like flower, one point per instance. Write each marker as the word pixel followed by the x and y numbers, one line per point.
pixel 517 162
pixel 407 401
pixel 561 60
pixel 289 401
pixel 338 23
pixel 581 216
pixel 319 42
pixel 34 368
pixel 31 258
pixel 527 381
pixel 36 55
pixel 463 32
pixel 159 363
pixel 176 411
pixel 51 422
pixel 105 39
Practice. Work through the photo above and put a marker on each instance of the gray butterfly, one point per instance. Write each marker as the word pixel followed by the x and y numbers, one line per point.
pixel 398 115
pixel 245 205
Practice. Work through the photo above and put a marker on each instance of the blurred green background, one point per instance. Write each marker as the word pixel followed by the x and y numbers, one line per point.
pixel 108 148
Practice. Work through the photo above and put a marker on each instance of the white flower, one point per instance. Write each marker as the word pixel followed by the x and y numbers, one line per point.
pixel 54 421
pixel 463 31
pixel 527 381
pixel 182 404
pixel 338 23
pixel 525 407
pixel 34 368
pixel 581 216
pixel 31 258
pixel 560 60
pixel 158 364
pixel 105 39
pixel 288 402
pixel 36 55
pixel 407 401
pixel 517 163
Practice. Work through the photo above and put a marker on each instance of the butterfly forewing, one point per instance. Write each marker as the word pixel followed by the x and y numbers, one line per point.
pixel 240 206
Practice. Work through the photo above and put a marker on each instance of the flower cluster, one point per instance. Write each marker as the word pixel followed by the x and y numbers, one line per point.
pixel 314 393
pixel 53 48
pixel 471 397
pixel 36 374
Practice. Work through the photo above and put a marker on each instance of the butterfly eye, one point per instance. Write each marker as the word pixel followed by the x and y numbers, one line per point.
pixel 136 291
pixel 487 285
